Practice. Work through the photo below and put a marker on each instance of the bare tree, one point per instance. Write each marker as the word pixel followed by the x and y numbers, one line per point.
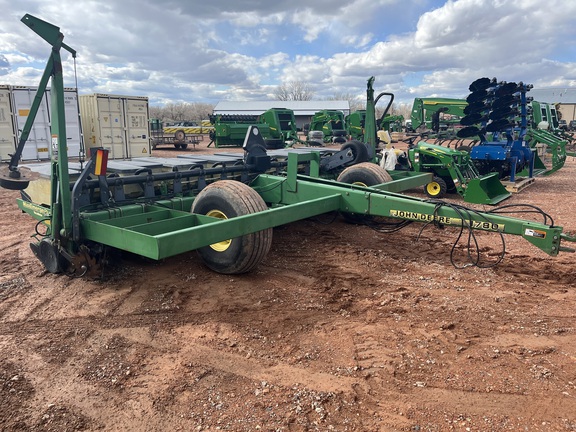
pixel 398 110
pixel 354 101
pixel 155 112
pixel 182 111
pixel 176 111
pixel 404 109
pixel 294 91
pixel 200 111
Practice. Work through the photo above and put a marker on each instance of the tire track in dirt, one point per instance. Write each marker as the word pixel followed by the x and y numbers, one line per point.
pixel 480 403
pixel 99 322
pixel 75 392
pixel 280 374
pixel 393 395
pixel 170 319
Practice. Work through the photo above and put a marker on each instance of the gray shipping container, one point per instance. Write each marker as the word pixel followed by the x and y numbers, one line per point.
pixel 15 104
pixel 117 123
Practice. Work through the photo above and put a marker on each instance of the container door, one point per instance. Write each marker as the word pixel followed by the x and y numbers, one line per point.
pixel 39 141
pixel 7 135
pixel 112 125
pixel 137 127
pixel 72 122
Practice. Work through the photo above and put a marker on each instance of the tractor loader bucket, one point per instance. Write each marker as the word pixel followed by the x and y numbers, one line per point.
pixel 486 189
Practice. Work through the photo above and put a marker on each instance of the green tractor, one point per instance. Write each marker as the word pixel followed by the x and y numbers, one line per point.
pixel 454 172
pixel 355 122
pixel 332 124
pixel 392 123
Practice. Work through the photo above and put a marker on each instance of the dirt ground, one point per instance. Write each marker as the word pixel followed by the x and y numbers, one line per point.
pixel 341 328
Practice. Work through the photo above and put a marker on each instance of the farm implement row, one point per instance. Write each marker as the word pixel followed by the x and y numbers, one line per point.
pixel 226 212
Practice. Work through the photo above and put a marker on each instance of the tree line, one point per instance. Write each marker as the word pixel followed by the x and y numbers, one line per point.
pixel 289 91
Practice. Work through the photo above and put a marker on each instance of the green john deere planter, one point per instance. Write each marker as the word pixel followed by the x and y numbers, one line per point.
pixel 225 212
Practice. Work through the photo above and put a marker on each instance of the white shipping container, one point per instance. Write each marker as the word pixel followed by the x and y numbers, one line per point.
pixel 38 144
pixel 117 123
pixel 73 129
pixel 7 134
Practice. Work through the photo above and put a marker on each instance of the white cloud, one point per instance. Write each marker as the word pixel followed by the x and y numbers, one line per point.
pixel 357 41
pixel 187 51
pixel 253 18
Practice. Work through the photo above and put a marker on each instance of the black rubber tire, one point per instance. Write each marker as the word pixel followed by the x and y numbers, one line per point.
pixel 436 188
pixel 179 135
pixel 359 150
pixel 450 186
pixel 183 146
pixel 465 148
pixel 274 143
pixel 228 199
pixel 362 174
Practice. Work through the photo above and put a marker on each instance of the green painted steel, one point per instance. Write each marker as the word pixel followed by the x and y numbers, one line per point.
pixel 424 109
pixel 61 221
pixel 552 145
pixel 331 123
pixel 371 201
pixel 282 123
pixel 231 130
pixel 459 172
pixel 544 112
pixel 277 125
pixel 392 123
pixel 355 122
pixel 158 231
pixel 405 180
pixel 370 120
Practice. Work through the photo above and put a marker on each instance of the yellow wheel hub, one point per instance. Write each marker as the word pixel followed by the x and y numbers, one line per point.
pixel 224 244
pixel 433 188
pixel 360 184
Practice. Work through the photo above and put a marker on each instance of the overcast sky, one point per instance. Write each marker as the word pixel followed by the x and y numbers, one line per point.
pixel 212 50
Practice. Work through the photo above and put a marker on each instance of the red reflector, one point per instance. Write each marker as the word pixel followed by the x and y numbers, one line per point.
pixel 101 162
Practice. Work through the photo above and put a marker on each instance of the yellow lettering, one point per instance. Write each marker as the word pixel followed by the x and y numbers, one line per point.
pixel 445 220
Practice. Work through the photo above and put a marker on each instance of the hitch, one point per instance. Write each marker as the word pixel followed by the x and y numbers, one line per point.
pixel 568 238
pixel 15 178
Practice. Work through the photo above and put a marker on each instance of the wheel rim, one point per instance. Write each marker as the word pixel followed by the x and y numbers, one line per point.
pixel 433 188
pixel 224 244
pixel 358 183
